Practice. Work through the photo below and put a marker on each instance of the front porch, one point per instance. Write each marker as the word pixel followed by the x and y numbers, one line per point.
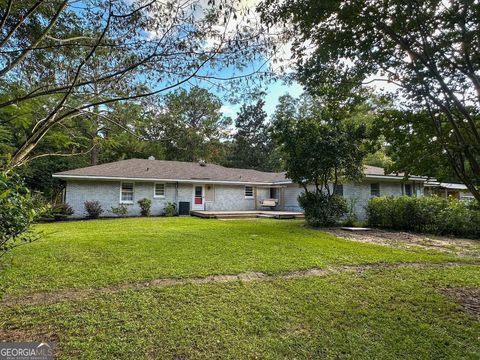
pixel 247 214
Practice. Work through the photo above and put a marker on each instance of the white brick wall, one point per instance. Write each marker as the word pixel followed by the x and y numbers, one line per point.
pixel 108 194
pixel 232 197
pixel 227 197
pixel 358 191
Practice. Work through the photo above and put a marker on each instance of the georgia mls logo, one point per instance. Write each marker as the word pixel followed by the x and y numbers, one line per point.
pixel 26 351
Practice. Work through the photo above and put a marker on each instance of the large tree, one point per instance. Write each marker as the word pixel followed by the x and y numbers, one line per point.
pixel 253 147
pixel 409 144
pixel 429 49
pixel 321 148
pixel 320 145
pixel 76 58
pixel 63 61
pixel 188 124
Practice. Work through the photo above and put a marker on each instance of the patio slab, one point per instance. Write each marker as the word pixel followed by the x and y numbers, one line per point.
pixel 247 214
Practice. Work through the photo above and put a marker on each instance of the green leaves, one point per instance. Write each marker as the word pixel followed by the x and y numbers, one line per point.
pixel 253 147
pixel 428 50
pixel 425 214
pixel 16 213
pixel 318 146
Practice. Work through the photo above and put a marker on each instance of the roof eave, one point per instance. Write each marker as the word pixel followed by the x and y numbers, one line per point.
pixel 398 178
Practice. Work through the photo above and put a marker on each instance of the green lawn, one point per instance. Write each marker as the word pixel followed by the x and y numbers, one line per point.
pixel 373 314
pixel 105 252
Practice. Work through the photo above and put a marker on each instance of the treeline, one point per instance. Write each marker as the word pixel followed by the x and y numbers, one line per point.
pixel 185 125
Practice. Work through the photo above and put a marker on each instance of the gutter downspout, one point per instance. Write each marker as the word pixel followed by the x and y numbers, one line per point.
pixel 176 197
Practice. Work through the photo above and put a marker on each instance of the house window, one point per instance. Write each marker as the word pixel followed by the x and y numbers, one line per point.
pixel 126 193
pixel 248 192
pixel 338 189
pixel 273 193
pixel 375 189
pixel 159 190
pixel 408 189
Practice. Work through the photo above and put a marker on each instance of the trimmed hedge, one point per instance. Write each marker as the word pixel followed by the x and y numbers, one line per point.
pixel 425 214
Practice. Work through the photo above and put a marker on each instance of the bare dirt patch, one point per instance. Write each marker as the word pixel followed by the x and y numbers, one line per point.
pixel 81 294
pixel 28 334
pixel 468 298
pixel 401 239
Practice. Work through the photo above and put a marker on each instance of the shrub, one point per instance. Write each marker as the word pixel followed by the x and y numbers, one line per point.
pixel 60 211
pixel 322 210
pixel 145 206
pixel 120 211
pixel 425 214
pixel 351 218
pixel 17 213
pixel 170 209
pixel 93 209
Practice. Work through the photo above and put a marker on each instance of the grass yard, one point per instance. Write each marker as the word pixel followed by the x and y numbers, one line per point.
pixel 106 252
pixel 378 312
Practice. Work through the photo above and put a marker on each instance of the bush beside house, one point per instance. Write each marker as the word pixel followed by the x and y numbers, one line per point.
pixel 321 209
pixel 93 209
pixel 120 211
pixel 145 206
pixel 425 214
pixel 170 209
pixel 59 212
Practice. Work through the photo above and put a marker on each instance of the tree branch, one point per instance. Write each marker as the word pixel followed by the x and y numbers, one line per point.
pixel 5 14
pixel 24 54
pixel 19 23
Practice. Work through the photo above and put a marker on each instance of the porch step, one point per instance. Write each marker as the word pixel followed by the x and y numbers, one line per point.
pixel 236 216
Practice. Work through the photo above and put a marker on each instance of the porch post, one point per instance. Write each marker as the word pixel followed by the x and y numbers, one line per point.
pixel 255 196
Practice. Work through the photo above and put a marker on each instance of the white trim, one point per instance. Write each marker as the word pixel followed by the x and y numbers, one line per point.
pixel 392 177
pixel 196 206
pixel 155 196
pixel 245 192
pixel 133 193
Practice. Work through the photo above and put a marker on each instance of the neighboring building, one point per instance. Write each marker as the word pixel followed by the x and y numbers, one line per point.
pixel 201 186
pixel 446 190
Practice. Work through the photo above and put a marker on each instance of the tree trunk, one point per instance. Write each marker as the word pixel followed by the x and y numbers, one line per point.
pixel 94 154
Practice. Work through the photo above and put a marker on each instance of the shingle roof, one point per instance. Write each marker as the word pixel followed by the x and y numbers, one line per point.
pixel 374 170
pixel 173 170
pixel 187 171
pixel 378 171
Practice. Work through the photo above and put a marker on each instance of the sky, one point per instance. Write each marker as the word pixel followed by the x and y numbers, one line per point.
pixel 274 92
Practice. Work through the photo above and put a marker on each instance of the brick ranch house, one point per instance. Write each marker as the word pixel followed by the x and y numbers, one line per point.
pixel 201 186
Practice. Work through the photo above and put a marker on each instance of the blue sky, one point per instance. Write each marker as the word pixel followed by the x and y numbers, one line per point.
pixel 274 92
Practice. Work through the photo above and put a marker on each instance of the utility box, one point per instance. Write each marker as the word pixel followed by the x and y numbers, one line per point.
pixel 183 208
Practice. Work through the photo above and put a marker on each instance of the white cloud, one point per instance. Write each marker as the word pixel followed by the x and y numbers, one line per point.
pixel 227 110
